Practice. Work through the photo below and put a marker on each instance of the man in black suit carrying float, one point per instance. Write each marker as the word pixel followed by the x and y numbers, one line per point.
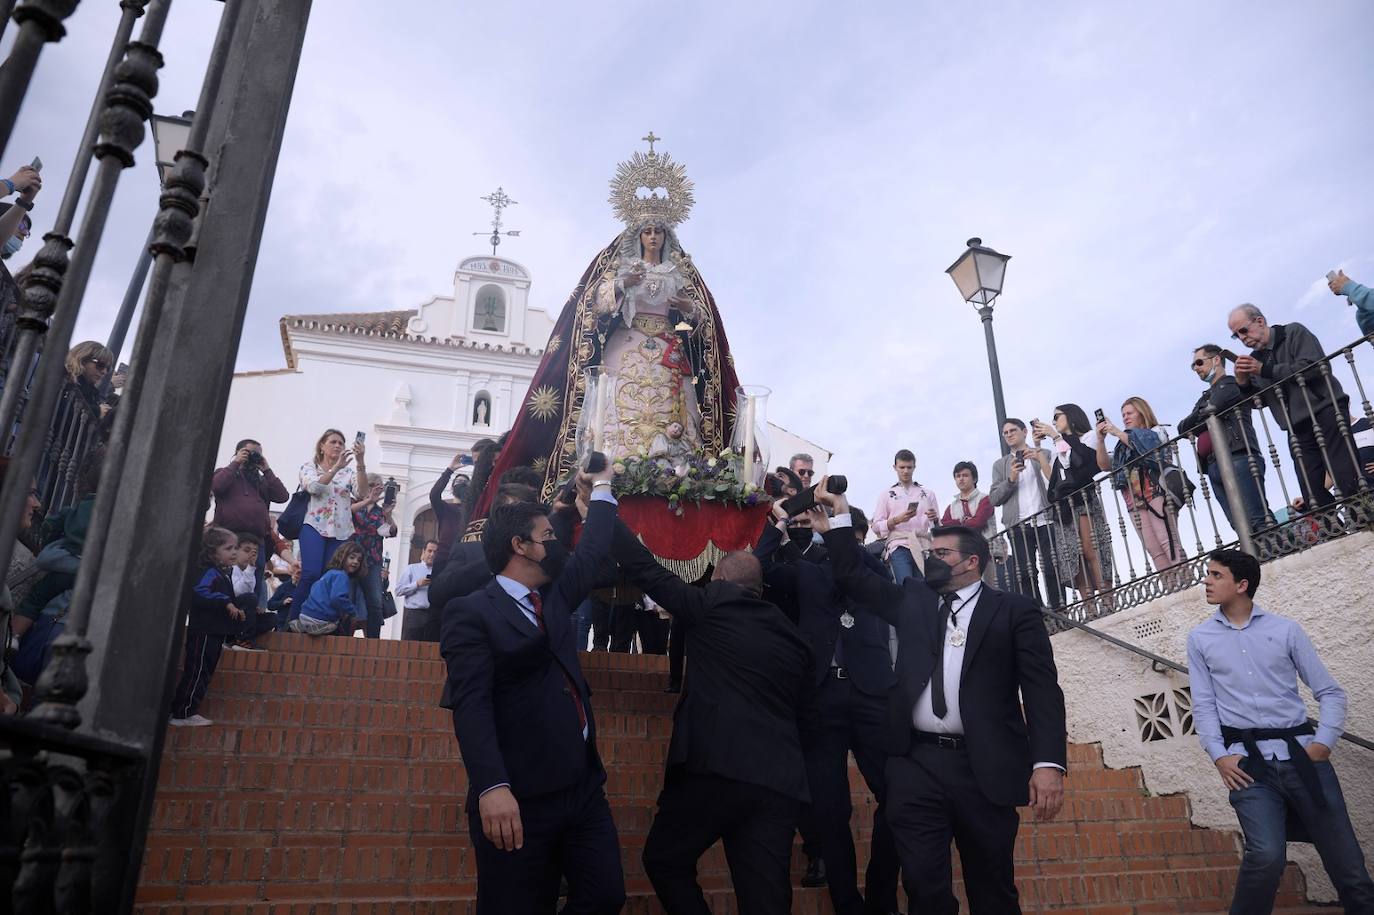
pixel 971 658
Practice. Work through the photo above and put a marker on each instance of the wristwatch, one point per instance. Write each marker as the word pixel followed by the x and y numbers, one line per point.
pixel 23 204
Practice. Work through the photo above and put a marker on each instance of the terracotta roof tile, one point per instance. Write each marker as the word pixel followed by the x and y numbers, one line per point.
pixel 372 322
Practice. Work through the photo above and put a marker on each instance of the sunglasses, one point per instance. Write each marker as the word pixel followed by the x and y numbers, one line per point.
pixel 1199 363
pixel 806 473
pixel 99 363
pixel 1244 328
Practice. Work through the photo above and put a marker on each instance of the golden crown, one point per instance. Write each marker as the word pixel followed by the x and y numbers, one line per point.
pixel 651 186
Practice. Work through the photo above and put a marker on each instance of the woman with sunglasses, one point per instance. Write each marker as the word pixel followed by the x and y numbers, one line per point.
pixel 87 365
pixel 1241 447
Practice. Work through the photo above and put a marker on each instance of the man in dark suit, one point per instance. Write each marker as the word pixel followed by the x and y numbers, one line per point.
pixel 839 715
pixel 537 808
pixel 965 754
pixel 735 770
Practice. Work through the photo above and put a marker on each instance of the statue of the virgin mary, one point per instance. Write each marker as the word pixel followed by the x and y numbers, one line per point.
pixel 643 314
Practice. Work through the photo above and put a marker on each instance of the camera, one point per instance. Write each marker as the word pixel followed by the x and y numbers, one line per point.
pixel 806 499
pixel 255 459
pixel 389 491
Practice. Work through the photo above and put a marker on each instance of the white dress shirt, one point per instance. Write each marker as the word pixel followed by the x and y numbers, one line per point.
pixel 416 597
pixel 923 715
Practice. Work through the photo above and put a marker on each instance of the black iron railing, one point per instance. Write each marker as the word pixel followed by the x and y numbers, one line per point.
pixel 77 774
pixel 1084 554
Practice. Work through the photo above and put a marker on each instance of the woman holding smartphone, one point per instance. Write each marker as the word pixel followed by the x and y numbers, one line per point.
pixel 1135 463
pixel 1081 518
pixel 333 487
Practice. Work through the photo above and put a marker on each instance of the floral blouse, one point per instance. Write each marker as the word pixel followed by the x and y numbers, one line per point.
pixel 331 504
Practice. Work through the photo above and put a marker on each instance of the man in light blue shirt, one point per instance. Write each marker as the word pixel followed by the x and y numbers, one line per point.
pixel 1244 664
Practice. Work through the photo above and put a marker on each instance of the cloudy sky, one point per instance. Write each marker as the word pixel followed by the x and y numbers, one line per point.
pixel 1147 167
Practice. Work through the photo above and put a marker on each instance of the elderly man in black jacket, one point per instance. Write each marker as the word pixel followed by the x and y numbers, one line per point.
pixel 1310 404
pixel 735 771
pixel 976 721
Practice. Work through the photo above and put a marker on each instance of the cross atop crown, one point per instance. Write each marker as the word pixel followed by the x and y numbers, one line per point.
pixel 651 140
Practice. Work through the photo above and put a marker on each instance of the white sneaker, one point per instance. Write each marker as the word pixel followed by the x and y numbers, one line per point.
pixel 195 721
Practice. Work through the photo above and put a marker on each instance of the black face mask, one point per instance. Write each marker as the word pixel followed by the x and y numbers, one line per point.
pixel 938 572
pixel 555 558
pixel 799 535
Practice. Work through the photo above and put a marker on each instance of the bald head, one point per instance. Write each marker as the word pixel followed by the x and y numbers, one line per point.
pixel 742 568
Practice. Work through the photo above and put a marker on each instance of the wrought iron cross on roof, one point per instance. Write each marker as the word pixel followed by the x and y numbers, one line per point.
pixel 499 201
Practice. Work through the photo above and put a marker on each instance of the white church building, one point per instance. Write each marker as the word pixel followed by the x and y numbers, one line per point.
pixel 423 384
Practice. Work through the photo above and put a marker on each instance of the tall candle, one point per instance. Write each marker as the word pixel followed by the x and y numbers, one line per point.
pixel 749 437
pixel 599 420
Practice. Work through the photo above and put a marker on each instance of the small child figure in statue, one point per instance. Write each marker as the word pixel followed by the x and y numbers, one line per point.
pixel 668 447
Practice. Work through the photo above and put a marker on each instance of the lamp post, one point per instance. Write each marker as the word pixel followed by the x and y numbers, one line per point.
pixel 169 138
pixel 978 273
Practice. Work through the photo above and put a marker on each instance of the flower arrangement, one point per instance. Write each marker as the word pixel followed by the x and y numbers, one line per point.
pixel 696 477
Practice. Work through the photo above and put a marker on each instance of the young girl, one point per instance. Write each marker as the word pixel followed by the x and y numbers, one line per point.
pixel 332 605
pixel 213 616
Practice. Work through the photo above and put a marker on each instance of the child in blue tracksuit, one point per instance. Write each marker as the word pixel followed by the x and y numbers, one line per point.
pixel 332 606
pixel 213 616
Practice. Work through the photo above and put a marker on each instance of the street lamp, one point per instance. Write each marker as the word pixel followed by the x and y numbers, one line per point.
pixel 170 134
pixel 169 138
pixel 978 273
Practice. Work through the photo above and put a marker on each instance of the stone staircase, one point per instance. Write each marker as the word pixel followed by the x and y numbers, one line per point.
pixel 330 784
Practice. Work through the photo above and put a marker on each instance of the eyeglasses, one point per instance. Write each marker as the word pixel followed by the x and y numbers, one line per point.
pixel 802 472
pixel 940 552
pixel 1243 329
pixel 99 363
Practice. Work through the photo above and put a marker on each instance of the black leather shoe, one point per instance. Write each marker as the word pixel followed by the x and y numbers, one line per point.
pixel 815 873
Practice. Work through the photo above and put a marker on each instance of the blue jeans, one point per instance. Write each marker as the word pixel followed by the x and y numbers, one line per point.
pixel 1262 809
pixel 372 594
pixel 316 551
pixel 1251 493
pixel 903 565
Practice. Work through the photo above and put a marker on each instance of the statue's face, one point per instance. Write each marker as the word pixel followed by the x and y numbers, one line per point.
pixel 651 237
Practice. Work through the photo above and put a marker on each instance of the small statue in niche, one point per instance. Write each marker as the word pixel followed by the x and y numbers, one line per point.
pixel 481 412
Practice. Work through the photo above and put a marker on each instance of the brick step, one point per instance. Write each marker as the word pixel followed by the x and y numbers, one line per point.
pixel 406 859
pixel 253 685
pixel 1200 890
pixel 299 712
pixel 273 665
pixel 391 650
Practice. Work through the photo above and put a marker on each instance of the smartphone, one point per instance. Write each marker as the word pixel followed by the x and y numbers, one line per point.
pixel 36 164
pixel 1101 417
pixel 912 506
pixel 1330 274
pixel 360 436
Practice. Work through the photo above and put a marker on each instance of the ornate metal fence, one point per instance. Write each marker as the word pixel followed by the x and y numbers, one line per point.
pixel 1085 552
pixel 77 774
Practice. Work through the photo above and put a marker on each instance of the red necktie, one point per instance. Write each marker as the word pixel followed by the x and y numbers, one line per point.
pixel 538 603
